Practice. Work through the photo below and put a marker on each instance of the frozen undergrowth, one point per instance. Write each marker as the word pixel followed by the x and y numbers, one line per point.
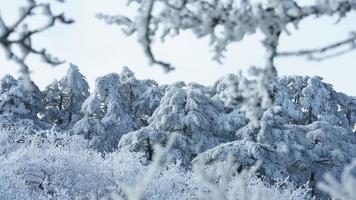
pixel 52 165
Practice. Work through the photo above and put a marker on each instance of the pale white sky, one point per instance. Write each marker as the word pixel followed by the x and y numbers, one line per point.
pixel 99 49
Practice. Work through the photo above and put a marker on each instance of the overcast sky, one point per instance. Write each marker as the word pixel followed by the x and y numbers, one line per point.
pixel 99 49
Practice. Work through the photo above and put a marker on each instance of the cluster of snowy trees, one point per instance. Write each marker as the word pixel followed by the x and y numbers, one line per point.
pixel 65 142
pixel 264 138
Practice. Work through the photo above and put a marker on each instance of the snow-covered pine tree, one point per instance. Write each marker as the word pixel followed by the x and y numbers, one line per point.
pixel 119 104
pixel 143 96
pixel 106 115
pixel 63 99
pixel 303 135
pixel 19 103
pixel 200 122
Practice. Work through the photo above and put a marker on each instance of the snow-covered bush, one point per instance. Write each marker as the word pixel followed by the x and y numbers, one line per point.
pixel 54 165
pixel 226 182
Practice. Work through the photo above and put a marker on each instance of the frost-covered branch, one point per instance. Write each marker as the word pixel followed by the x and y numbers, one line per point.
pixel 144 31
pixel 318 54
pixel 144 36
pixel 13 36
pixel 224 22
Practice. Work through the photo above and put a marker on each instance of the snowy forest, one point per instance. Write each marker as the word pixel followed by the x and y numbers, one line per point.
pixel 255 136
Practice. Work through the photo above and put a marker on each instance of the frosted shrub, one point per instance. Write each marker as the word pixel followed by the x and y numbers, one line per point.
pixel 58 166
pixel 226 182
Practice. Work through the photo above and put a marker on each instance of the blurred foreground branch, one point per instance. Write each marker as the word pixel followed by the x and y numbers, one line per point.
pixel 19 36
pixel 319 54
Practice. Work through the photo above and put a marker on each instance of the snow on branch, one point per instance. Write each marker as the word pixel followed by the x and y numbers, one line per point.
pixel 224 22
pixel 144 36
pixel 143 29
pixel 318 54
pixel 23 35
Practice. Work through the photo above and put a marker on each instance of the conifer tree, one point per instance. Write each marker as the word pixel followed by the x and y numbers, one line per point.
pixel 63 99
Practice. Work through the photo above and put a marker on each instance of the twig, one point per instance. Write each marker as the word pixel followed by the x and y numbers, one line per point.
pixel 318 54
pixel 146 41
